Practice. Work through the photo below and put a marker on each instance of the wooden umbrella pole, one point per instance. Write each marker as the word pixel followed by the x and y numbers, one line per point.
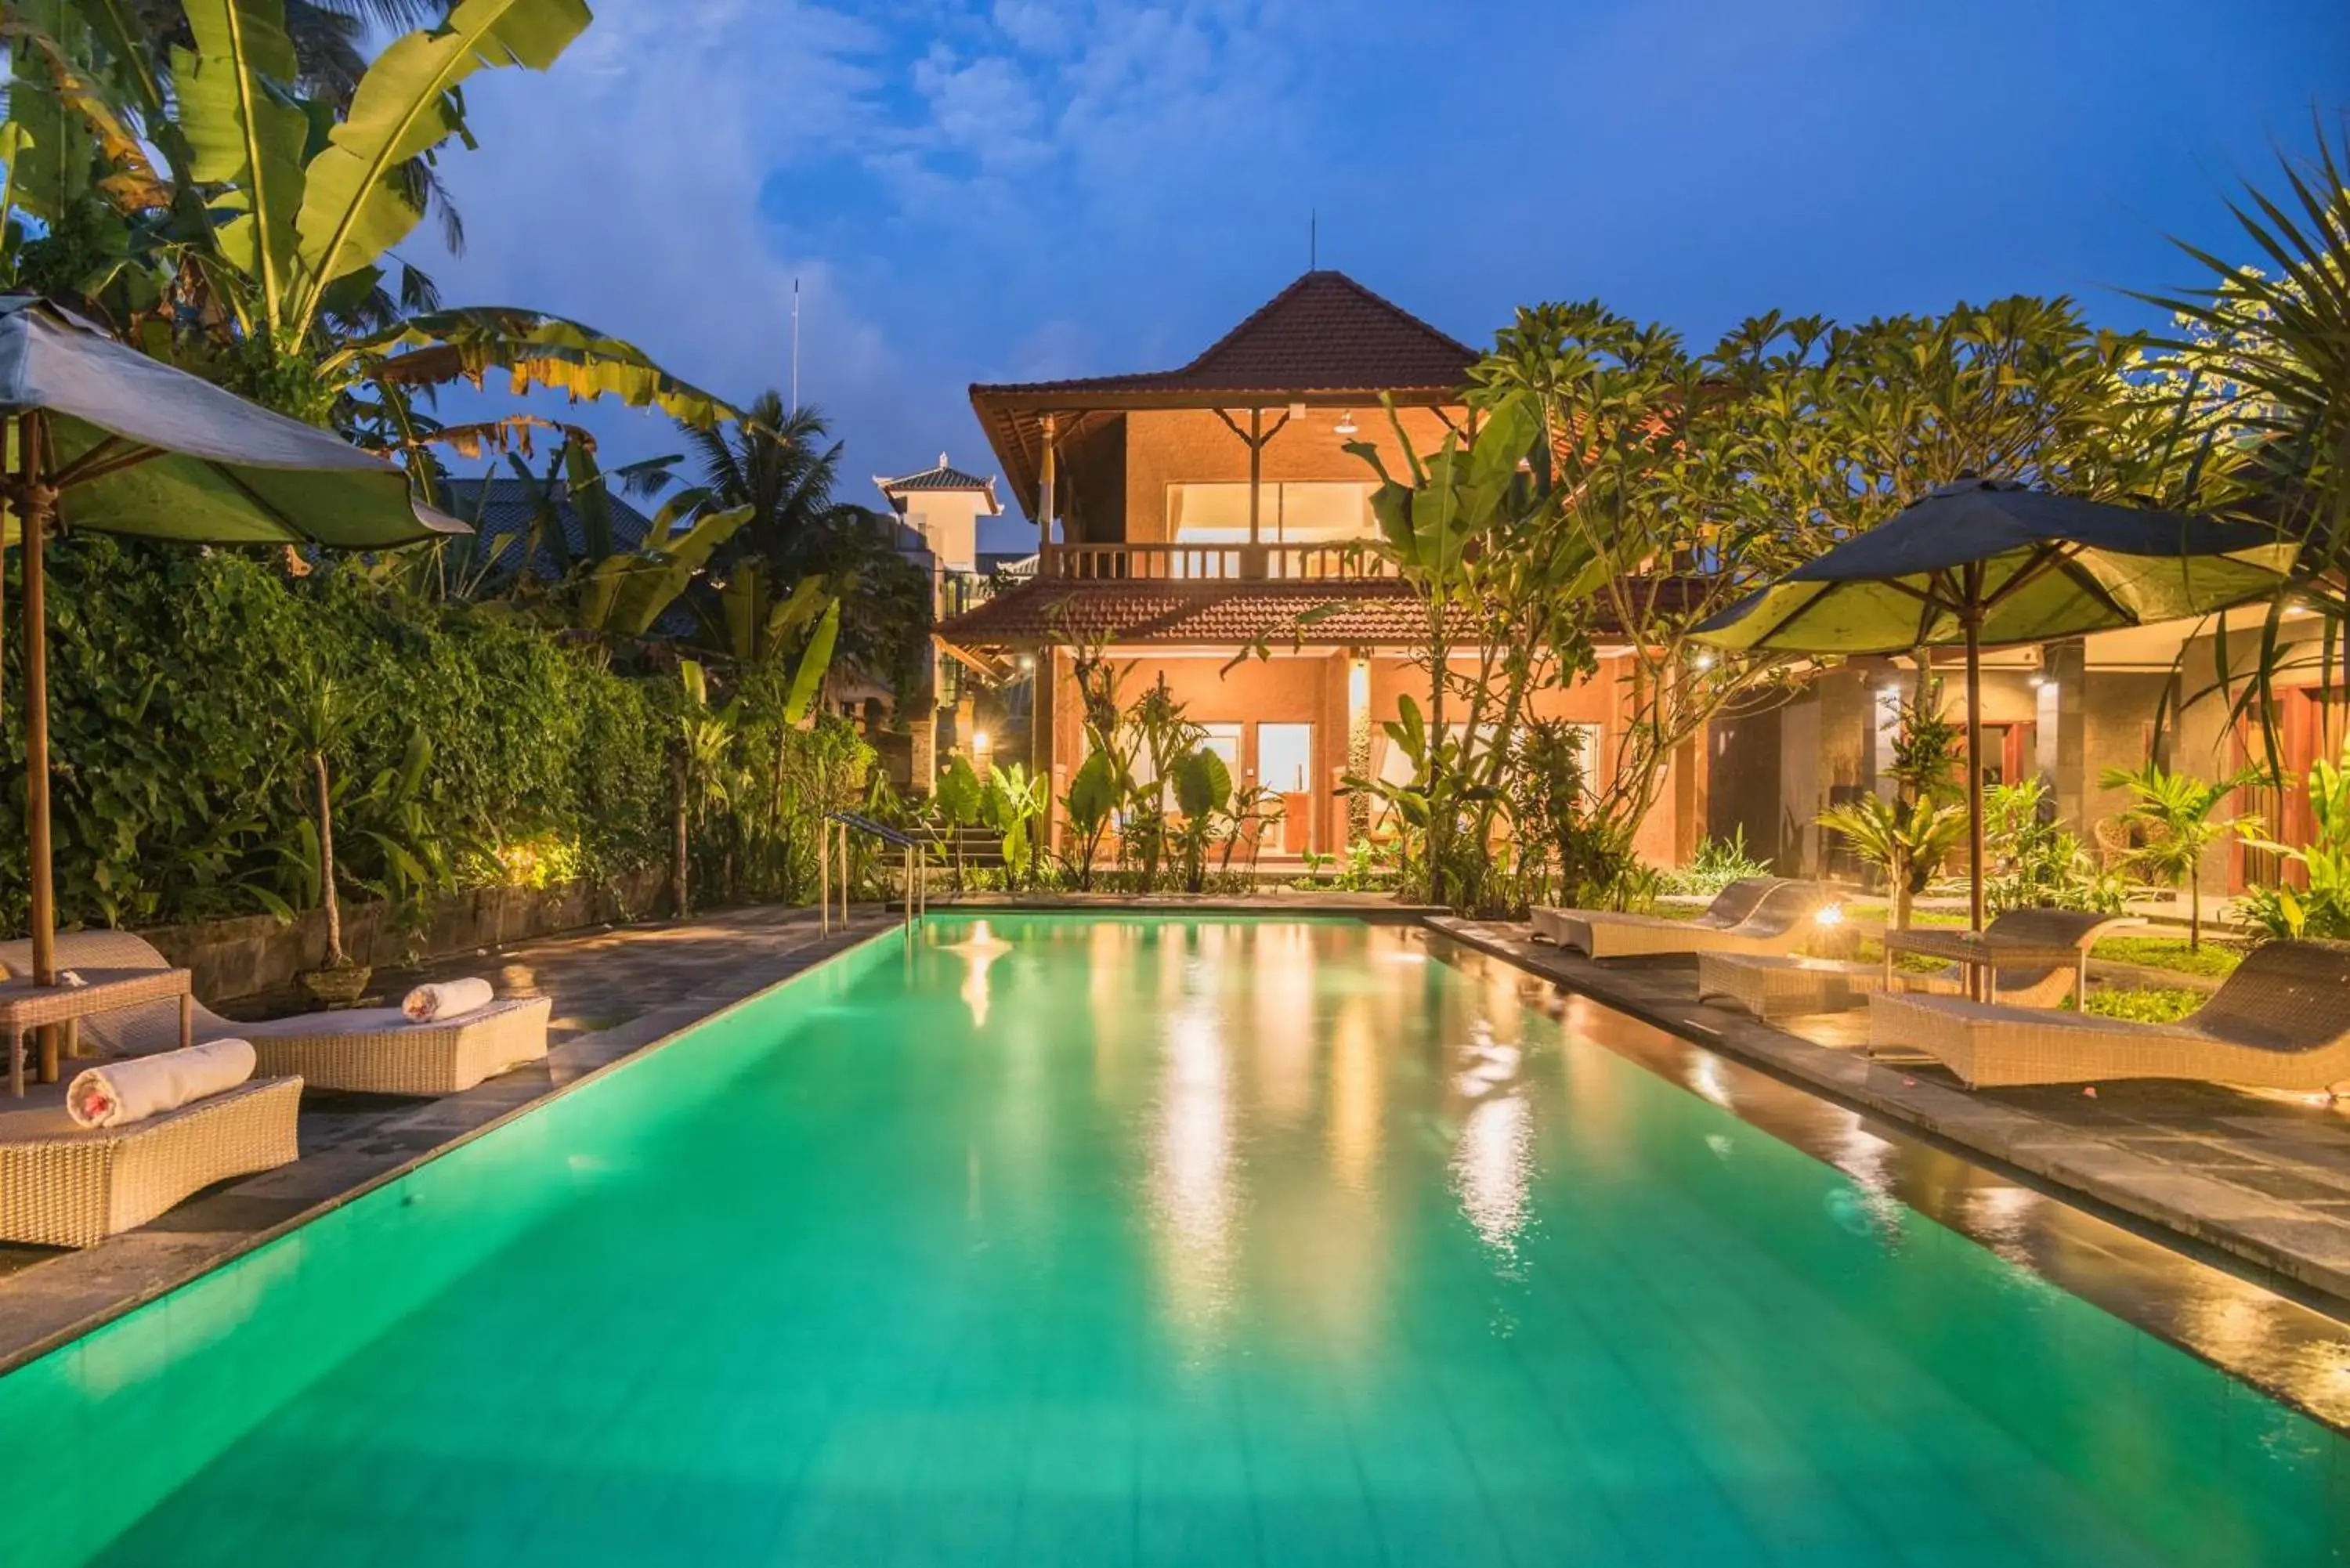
pixel 1974 750
pixel 32 509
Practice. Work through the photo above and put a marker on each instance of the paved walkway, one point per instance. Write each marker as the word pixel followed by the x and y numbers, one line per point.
pixel 2265 1178
pixel 615 992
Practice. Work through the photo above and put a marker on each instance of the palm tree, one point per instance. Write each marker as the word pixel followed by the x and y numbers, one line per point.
pixel 2175 809
pixel 783 466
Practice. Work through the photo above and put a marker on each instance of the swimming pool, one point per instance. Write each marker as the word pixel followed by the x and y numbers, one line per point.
pixel 1126 1241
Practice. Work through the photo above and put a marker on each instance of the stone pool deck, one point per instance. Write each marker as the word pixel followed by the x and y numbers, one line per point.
pixel 615 992
pixel 2262 1179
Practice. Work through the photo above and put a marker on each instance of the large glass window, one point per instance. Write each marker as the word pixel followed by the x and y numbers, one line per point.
pixel 1293 512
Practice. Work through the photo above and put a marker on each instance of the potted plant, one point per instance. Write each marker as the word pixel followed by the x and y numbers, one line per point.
pixel 322 716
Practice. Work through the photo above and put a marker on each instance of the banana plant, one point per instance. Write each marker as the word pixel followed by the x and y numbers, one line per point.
pixel 275 219
pixel 620 596
pixel 1441 525
pixel 701 768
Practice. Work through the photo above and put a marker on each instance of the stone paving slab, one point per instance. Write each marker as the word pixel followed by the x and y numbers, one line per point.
pixel 616 992
pixel 2261 1177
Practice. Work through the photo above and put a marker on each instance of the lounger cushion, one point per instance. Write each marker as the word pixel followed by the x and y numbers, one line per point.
pixel 63 1186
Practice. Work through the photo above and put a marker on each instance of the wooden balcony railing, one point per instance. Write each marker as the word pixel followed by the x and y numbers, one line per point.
pixel 1352 561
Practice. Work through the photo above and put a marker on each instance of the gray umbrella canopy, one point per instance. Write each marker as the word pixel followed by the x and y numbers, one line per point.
pixel 2030 566
pixel 1986 561
pixel 140 448
pixel 102 437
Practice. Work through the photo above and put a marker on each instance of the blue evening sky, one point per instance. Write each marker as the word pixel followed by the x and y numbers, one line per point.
pixel 1022 189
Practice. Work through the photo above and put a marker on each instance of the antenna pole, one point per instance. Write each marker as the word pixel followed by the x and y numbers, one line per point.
pixel 795 346
pixel 1313 239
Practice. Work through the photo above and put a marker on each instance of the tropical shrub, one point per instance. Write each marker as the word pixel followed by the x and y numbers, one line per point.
pixel 2176 811
pixel 1011 804
pixel 2321 908
pixel 487 752
pixel 1717 863
pixel 2032 863
pixel 1906 838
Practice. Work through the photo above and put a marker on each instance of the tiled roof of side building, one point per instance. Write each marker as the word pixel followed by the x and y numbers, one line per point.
pixel 1381 612
pixel 504 519
pixel 942 476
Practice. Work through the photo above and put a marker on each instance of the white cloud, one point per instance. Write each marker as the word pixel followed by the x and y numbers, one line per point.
pixel 952 184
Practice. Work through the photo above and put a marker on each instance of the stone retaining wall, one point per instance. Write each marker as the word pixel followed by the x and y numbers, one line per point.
pixel 256 955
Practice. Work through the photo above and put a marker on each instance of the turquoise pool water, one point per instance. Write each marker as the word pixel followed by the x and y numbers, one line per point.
pixel 1063 1241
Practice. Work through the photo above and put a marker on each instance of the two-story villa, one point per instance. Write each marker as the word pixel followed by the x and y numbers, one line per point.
pixel 1202 524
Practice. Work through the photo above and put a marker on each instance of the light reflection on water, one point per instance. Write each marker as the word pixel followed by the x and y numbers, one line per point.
pixel 1153 1240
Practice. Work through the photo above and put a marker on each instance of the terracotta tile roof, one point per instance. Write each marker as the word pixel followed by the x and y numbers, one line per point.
pixel 1323 333
pixel 1379 612
pixel 1219 615
pixel 1324 338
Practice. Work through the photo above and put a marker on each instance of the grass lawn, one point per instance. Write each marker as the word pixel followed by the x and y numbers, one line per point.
pixel 1873 952
pixel 2154 1005
pixel 2171 953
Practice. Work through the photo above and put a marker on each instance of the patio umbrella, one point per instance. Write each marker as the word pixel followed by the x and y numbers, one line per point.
pixel 102 437
pixel 1988 562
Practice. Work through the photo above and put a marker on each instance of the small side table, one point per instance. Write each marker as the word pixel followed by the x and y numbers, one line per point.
pixel 26 1007
pixel 1979 961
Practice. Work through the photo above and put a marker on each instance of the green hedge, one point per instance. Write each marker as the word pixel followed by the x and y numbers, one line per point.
pixel 178 794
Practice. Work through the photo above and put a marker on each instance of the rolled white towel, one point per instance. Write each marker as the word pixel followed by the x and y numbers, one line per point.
pixel 137 1087
pixel 427 1003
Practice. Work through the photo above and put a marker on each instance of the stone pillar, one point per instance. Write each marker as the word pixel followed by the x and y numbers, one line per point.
pixel 2064 738
pixel 1043 709
pixel 922 760
pixel 1358 746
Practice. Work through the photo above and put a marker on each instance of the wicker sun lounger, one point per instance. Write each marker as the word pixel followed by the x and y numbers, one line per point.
pixel 65 1186
pixel 1782 986
pixel 368 1051
pixel 1778 921
pixel 1730 906
pixel 2280 1022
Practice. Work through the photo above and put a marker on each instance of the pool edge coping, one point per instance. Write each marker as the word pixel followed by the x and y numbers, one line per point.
pixel 168 1282
pixel 2216 1243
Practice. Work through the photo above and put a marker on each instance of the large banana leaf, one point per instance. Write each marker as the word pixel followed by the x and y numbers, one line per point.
pixel 626 594
pixel 246 131
pixel 754 623
pixel 124 37
pixel 590 498
pixel 813 662
pixel 442 346
pixel 355 208
pixel 68 88
pixel 53 146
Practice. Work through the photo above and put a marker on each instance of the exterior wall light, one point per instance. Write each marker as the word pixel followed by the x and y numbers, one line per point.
pixel 1346 425
pixel 1828 915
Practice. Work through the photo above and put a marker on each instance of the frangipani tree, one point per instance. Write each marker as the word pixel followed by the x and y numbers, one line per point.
pixel 261 247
